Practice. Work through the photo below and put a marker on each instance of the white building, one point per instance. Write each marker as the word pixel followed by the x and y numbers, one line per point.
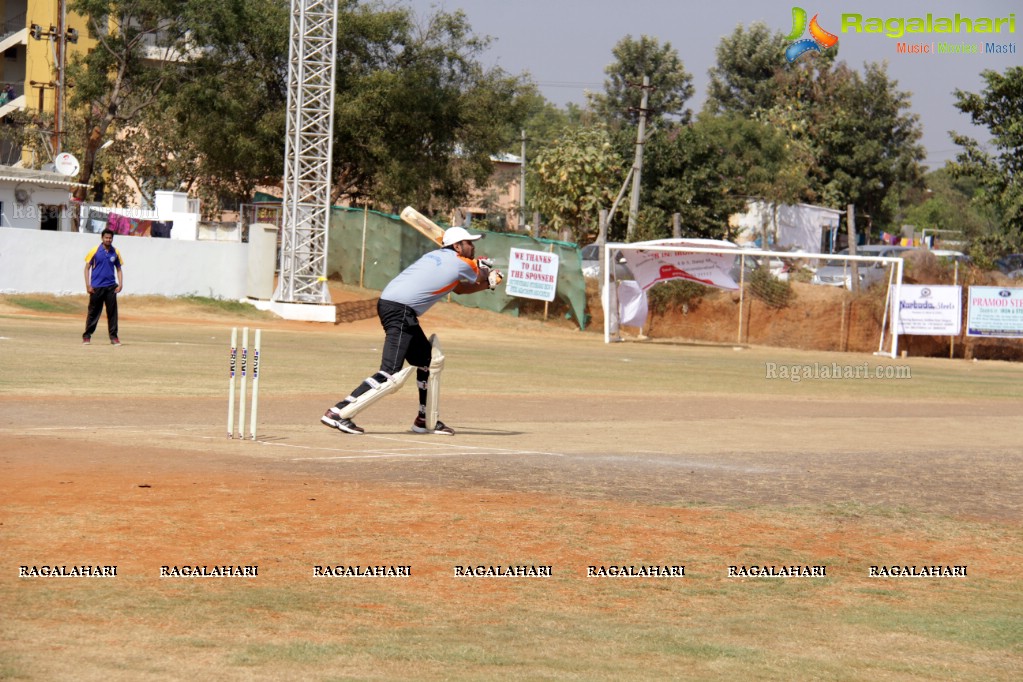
pixel 41 200
pixel 35 199
pixel 787 226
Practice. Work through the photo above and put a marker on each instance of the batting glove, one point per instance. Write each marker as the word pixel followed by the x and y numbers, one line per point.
pixel 487 263
pixel 495 277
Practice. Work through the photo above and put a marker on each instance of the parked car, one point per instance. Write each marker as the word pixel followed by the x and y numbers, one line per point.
pixel 748 265
pixel 783 266
pixel 591 263
pixel 779 266
pixel 1011 263
pixel 838 273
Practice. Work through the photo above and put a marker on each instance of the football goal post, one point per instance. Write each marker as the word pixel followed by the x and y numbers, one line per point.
pixel 723 265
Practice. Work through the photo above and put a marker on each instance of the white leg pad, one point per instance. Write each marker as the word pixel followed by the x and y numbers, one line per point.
pixel 393 383
pixel 433 384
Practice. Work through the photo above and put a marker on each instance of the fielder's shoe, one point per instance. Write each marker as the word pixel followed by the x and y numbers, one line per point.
pixel 335 421
pixel 114 341
pixel 86 340
pixel 442 429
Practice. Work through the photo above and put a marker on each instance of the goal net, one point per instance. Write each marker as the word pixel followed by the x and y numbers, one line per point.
pixel 724 265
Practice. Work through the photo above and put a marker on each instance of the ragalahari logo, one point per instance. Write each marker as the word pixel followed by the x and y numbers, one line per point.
pixel 818 41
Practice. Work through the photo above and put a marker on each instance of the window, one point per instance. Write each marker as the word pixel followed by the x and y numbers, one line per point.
pixel 49 217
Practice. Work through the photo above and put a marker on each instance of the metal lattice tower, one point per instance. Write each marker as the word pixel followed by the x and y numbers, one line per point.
pixel 307 153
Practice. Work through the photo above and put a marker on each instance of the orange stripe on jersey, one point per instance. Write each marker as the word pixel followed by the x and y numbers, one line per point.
pixel 472 264
pixel 444 290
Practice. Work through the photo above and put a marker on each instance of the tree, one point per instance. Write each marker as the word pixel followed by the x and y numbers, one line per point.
pixel 148 157
pixel 418 117
pixel 230 108
pixel 707 171
pixel 217 128
pixel 999 107
pixel 574 179
pixel 854 132
pixel 946 204
pixel 672 85
pixel 118 80
pixel 742 79
pixel 864 141
pixel 543 122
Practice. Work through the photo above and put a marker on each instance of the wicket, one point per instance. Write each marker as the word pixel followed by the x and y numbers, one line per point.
pixel 231 383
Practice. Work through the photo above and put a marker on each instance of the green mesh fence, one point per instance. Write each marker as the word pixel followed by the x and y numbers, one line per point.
pixel 368 248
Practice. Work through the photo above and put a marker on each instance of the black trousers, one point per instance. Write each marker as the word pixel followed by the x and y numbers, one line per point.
pixel 403 338
pixel 100 297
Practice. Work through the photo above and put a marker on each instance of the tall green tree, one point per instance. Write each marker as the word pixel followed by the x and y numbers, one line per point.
pixel 230 108
pixel 418 117
pixel 706 171
pixel 862 139
pixel 115 83
pixel 742 78
pixel 572 180
pixel 865 141
pixel 998 107
pixel 544 122
pixel 671 84
pixel 216 129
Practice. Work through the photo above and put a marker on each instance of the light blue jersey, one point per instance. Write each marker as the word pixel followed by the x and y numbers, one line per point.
pixel 429 279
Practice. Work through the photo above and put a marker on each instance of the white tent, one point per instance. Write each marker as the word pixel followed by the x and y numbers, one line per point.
pixel 788 226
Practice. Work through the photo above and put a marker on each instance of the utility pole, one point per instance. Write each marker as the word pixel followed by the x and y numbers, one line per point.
pixel 637 166
pixel 522 183
pixel 61 36
pixel 58 91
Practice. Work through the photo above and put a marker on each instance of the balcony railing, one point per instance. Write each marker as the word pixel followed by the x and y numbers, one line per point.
pixel 12 26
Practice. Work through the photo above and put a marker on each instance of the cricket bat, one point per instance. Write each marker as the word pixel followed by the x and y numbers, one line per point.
pixel 427 227
pixel 435 233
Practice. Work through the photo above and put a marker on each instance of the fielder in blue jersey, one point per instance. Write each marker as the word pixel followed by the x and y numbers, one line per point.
pixel 452 268
pixel 103 280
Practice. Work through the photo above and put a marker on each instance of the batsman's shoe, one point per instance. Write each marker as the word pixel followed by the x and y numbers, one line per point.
pixel 442 429
pixel 114 341
pixel 86 340
pixel 333 420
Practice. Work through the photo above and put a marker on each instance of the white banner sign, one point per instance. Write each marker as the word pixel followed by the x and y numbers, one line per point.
pixel 995 311
pixel 632 304
pixel 930 310
pixel 532 274
pixel 709 269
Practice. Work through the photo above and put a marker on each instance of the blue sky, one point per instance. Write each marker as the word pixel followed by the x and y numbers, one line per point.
pixel 565 45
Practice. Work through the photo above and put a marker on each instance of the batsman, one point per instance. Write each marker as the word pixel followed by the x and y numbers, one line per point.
pixel 451 268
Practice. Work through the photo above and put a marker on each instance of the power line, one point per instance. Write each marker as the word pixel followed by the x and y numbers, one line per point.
pixel 568 84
